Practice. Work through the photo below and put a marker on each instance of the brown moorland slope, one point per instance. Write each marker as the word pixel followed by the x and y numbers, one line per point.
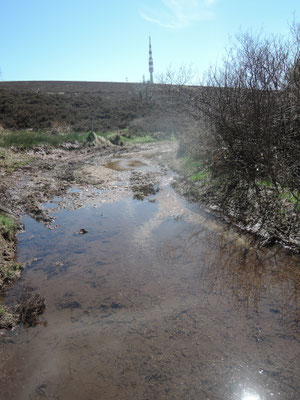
pixel 109 90
pixel 39 104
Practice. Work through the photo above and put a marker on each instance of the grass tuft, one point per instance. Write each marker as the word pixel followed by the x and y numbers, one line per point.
pixel 29 139
pixel 7 227
pixel 199 176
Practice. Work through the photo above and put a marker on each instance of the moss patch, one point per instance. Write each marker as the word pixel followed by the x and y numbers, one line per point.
pixel 7 227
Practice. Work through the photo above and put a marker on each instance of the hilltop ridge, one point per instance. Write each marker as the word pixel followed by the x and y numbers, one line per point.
pixel 38 104
pixel 108 89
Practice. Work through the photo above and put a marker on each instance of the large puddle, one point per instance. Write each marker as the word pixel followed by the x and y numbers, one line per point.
pixel 155 301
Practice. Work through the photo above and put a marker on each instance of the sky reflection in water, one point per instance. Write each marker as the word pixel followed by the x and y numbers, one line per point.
pixel 167 301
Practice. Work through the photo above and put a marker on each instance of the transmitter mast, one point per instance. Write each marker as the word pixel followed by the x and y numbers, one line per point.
pixel 150 61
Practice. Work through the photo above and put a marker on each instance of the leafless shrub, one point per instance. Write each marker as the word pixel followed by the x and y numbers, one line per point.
pixel 196 140
pixel 143 93
pixel 251 108
pixel 177 77
pixel 60 128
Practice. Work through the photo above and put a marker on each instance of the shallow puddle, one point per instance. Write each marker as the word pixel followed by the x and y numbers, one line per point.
pixel 157 300
pixel 124 164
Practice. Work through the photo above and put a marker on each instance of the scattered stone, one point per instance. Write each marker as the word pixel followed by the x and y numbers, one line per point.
pixel 81 231
pixel 274 311
pixel 54 227
pixel 58 264
pixel 70 146
pixel 113 306
pixel 143 185
pixel 71 305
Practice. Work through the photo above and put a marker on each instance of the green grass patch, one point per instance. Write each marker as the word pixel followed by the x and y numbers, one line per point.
pixel 265 182
pixel 29 139
pixel 290 197
pixel 6 222
pixel 191 165
pixel 172 138
pixel 195 170
pixel 199 176
pixel 12 272
pixel 284 193
pixel 7 226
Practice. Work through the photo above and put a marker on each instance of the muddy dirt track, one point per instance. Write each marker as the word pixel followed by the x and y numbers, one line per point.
pixel 148 296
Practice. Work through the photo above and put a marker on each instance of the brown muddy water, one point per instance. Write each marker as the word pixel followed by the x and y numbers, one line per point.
pixel 158 300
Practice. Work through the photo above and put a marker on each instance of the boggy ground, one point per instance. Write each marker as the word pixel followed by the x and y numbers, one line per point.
pixel 31 178
pixel 149 299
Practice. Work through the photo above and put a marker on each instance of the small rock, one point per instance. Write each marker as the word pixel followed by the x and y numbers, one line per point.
pixel 71 305
pixel 58 264
pixel 81 231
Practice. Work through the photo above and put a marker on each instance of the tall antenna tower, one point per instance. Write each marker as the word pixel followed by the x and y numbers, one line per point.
pixel 150 61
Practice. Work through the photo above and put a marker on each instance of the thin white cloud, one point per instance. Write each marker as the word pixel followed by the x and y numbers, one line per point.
pixel 210 2
pixel 156 21
pixel 176 14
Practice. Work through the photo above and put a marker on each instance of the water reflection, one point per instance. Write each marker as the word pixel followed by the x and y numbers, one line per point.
pixel 124 164
pixel 250 396
pixel 154 302
pixel 234 267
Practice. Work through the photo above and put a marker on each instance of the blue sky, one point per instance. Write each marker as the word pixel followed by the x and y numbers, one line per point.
pixel 107 40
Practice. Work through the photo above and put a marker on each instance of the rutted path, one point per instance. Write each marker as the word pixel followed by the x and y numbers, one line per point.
pixel 148 296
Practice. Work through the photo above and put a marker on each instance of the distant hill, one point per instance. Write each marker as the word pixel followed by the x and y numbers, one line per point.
pixel 39 104
pixel 108 90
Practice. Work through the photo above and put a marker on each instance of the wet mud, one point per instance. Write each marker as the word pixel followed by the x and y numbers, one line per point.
pixel 149 297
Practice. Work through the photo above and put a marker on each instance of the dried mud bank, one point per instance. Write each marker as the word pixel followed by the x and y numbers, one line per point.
pixel 268 226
